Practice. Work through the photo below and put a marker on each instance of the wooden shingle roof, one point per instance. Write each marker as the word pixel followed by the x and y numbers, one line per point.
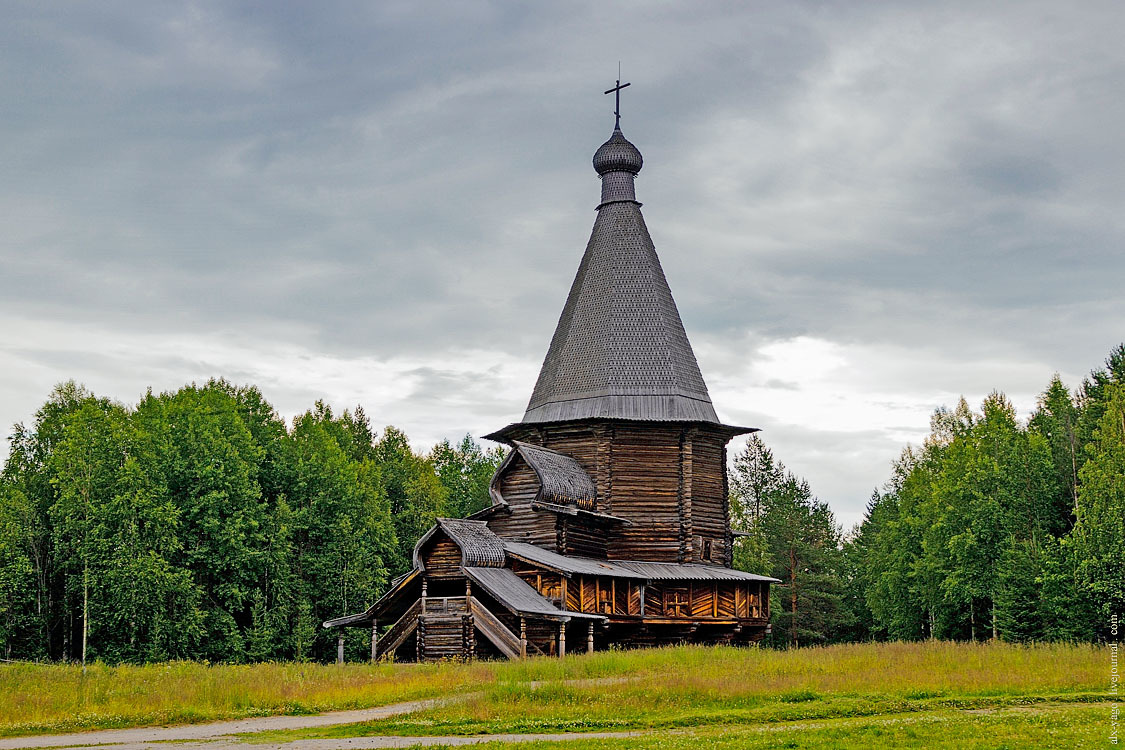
pixel 480 547
pixel 563 480
pixel 620 350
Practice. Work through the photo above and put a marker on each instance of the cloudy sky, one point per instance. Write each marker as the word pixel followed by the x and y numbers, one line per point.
pixel 865 210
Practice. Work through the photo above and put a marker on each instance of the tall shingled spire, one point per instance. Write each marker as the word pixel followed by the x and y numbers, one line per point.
pixel 620 350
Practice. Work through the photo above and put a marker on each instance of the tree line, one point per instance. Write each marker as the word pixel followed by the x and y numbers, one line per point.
pixel 993 528
pixel 198 525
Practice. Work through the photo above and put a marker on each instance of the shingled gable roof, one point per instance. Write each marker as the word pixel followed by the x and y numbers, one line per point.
pixel 480 547
pixel 620 350
pixel 562 479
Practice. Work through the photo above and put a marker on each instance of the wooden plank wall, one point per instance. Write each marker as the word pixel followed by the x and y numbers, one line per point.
pixel 669 480
pixel 443 637
pixel 583 538
pixel 709 500
pixel 646 487
pixel 519 485
pixel 441 557
pixel 702 600
pixel 579 441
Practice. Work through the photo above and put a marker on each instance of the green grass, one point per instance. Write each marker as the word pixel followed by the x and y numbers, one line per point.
pixel 695 686
pixel 42 698
pixel 993 695
pixel 1069 726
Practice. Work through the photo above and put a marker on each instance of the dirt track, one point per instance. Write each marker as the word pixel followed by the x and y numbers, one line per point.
pixel 219 735
pixel 143 736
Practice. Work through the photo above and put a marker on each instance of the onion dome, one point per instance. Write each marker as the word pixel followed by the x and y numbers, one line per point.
pixel 617 155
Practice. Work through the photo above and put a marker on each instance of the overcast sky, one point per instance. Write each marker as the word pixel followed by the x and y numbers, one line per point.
pixel 864 210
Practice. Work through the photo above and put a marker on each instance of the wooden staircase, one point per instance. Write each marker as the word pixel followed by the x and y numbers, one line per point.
pixel 400 631
pixel 495 631
pixel 448 630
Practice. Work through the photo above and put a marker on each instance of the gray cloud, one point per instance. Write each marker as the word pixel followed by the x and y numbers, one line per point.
pixel 932 193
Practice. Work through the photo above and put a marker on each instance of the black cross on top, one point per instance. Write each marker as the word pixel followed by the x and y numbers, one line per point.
pixel 617 108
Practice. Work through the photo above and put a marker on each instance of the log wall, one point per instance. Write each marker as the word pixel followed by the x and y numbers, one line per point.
pixel 441 557
pixel 646 491
pixel 709 512
pixel 518 486
pixel 581 537
pixel 669 480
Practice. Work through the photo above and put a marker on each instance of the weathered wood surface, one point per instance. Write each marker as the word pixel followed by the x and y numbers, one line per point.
pixel 441 557
pixel 519 486
pixel 496 631
pixel 668 480
pixel 403 628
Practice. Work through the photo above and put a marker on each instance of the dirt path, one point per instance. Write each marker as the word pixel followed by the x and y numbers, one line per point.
pixel 142 736
pixel 218 735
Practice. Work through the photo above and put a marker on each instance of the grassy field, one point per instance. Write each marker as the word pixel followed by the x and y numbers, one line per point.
pixel 36 699
pixel 894 695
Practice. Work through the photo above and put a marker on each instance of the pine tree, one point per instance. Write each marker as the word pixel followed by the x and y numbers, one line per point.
pixel 791 536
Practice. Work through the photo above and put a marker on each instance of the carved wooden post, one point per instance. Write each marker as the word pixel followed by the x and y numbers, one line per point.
pixel 374 639
pixel 423 596
pixel 590 637
pixel 468 594
pixel 523 637
pixel 562 639
pixel 340 646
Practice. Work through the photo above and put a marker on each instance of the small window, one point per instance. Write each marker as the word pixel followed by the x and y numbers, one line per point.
pixel 707 549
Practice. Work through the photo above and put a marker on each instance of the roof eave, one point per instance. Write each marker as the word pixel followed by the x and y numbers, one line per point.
pixel 504 434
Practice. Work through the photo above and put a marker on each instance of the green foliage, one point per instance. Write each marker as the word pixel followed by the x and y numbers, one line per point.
pixel 1099 534
pixel 791 536
pixel 17 574
pixel 465 471
pixel 415 494
pixel 1002 529
pixel 197 525
pixel 340 525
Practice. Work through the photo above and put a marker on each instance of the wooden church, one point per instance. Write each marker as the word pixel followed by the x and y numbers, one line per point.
pixel 609 523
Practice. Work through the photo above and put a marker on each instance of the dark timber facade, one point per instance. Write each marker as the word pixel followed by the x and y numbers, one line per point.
pixel 609 522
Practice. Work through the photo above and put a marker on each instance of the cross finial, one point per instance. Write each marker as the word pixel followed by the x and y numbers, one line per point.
pixel 617 109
